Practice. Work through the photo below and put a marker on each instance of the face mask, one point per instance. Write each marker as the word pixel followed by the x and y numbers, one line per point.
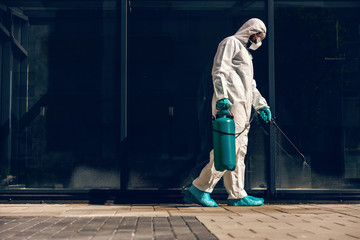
pixel 254 45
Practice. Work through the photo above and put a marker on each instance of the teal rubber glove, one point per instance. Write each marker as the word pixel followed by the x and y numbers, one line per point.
pixel 223 104
pixel 265 114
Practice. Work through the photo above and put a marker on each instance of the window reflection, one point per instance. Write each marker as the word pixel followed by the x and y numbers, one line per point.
pixel 318 96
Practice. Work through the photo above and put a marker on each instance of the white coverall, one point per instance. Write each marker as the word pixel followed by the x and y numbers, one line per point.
pixel 232 75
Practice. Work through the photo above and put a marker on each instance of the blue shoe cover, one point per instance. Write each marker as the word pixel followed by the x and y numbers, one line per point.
pixel 194 195
pixel 256 199
pixel 246 201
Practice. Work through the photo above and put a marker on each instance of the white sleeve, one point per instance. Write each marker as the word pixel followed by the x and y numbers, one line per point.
pixel 258 101
pixel 222 67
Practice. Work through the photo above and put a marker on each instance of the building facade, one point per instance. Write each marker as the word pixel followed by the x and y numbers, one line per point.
pixel 116 95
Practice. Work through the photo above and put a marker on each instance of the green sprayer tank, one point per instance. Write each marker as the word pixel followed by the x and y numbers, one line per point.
pixel 224 141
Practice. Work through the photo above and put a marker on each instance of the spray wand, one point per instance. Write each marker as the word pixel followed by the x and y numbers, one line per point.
pixel 305 163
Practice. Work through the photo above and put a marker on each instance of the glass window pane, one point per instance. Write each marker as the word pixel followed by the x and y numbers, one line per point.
pixel 318 94
pixel 69 137
pixel 171 50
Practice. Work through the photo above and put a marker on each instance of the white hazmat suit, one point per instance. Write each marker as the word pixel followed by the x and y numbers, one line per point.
pixel 232 75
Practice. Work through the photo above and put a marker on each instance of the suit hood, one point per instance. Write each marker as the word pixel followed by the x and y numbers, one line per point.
pixel 249 28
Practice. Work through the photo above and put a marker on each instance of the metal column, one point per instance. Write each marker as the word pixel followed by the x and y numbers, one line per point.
pixel 271 60
pixel 124 168
pixel 5 114
pixel 123 51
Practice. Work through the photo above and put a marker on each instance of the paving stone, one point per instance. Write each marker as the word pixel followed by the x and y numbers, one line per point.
pixel 288 222
pixel 180 228
pixel 101 228
pixel 179 221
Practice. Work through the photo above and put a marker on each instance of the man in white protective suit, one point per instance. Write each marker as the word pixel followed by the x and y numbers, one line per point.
pixel 234 89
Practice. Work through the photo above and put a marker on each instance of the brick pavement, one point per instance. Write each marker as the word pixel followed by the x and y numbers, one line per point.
pixel 103 228
pixel 177 221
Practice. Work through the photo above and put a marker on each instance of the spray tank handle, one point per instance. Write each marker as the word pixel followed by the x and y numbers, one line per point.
pixel 224 113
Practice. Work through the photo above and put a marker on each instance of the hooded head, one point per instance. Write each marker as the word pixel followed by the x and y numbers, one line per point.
pixel 252 26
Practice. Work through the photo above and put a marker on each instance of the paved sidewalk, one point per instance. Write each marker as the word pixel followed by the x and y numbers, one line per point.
pixel 178 221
